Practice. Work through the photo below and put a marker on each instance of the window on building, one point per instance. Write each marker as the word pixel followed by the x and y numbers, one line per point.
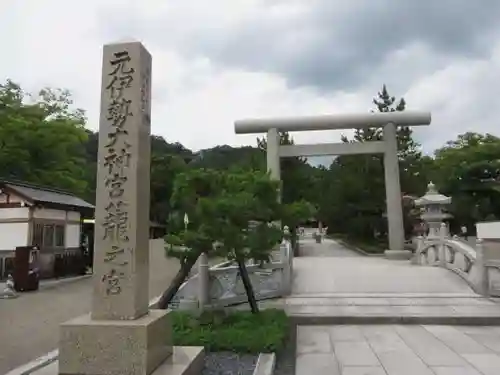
pixel 38 235
pixel 59 233
pixel 48 235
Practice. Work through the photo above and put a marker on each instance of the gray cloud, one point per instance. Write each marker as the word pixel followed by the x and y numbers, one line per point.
pixel 334 44
pixel 215 62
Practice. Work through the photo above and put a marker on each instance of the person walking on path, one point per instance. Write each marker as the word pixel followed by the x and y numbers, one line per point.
pixel 464 232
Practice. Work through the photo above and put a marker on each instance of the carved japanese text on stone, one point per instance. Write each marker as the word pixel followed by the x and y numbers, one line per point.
pixel 115 225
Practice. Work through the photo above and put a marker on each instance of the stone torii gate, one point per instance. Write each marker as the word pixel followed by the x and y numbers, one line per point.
pixel 387 120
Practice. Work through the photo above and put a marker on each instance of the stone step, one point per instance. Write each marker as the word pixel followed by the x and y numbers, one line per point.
pixel 395 314
pixel 451 309
pixel 370 319
pixel 392 301
pixel 385 295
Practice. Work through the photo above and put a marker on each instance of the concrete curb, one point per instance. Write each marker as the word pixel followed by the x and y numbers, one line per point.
pixel 36 364
pixel 45 285
pixel 265 364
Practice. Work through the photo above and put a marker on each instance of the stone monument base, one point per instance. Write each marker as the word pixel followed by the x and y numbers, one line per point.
pixel 185 360
pixel 115 347
pixel 398 254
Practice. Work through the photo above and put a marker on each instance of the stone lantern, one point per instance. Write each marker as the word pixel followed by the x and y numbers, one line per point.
pixel 433 204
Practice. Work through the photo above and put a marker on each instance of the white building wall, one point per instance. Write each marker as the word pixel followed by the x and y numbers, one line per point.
pixel 15 213
pixel 11 198
pixel 15 199
pixel 13 235
pixel 72 235
pixel 73 216
pixel 46 213
pixel 488 230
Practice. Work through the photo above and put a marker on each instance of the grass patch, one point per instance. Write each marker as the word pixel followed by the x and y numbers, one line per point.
pixel 236 331
pixel 370 247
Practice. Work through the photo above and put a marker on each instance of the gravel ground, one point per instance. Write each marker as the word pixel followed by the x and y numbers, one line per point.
pixel 227 363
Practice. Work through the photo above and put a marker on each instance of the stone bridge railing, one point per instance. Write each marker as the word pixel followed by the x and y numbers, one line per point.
pixel 479 266
pixel 221 285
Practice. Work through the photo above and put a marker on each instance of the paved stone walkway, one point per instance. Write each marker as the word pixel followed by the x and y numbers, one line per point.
pixel 326 249
pixel 398 350
pixel 341 270
pixel 335 287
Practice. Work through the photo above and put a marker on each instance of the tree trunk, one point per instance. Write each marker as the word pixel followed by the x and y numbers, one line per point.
pixel 176 283
pixel 248 286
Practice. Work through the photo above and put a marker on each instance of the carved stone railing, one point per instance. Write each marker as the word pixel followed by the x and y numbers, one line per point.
pixel 221 285
pixel 479 269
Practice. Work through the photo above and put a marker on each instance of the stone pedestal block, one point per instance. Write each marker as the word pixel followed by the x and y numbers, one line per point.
pixel 113 347
pixel 185 360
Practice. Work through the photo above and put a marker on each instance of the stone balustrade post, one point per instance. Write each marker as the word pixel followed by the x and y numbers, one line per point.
pixel 286 254
pixel 443 233
pixel 481 268
pixel 418 252
pixel 203 281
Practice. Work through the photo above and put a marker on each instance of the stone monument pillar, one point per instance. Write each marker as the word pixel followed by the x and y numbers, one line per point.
pixel 121 335
pixel 121 237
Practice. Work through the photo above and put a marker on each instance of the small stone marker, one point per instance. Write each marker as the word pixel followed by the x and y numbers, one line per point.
pixel 9 291
pixel 121 335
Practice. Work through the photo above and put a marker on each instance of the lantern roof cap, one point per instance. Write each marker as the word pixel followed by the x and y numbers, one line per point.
pixel 432 196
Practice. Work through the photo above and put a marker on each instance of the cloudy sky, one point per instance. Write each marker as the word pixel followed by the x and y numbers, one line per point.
pixel 221 60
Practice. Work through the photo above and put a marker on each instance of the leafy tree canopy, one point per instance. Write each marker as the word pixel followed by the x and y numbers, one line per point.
pixel 44 139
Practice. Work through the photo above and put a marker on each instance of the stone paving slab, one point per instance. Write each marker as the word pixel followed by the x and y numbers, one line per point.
pixel 397 350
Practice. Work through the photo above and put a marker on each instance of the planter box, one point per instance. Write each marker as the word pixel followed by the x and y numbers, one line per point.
pixel 265 364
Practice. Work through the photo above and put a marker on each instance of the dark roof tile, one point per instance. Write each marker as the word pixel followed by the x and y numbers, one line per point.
pixel 47 195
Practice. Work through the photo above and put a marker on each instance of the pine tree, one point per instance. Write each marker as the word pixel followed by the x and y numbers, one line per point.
pixel 406 144
pixel 360 178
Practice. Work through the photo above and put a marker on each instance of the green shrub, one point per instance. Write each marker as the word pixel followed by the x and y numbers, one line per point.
pixel 373 246
pixel 237 331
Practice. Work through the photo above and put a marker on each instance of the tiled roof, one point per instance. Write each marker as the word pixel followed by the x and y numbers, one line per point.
pixel 46 195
